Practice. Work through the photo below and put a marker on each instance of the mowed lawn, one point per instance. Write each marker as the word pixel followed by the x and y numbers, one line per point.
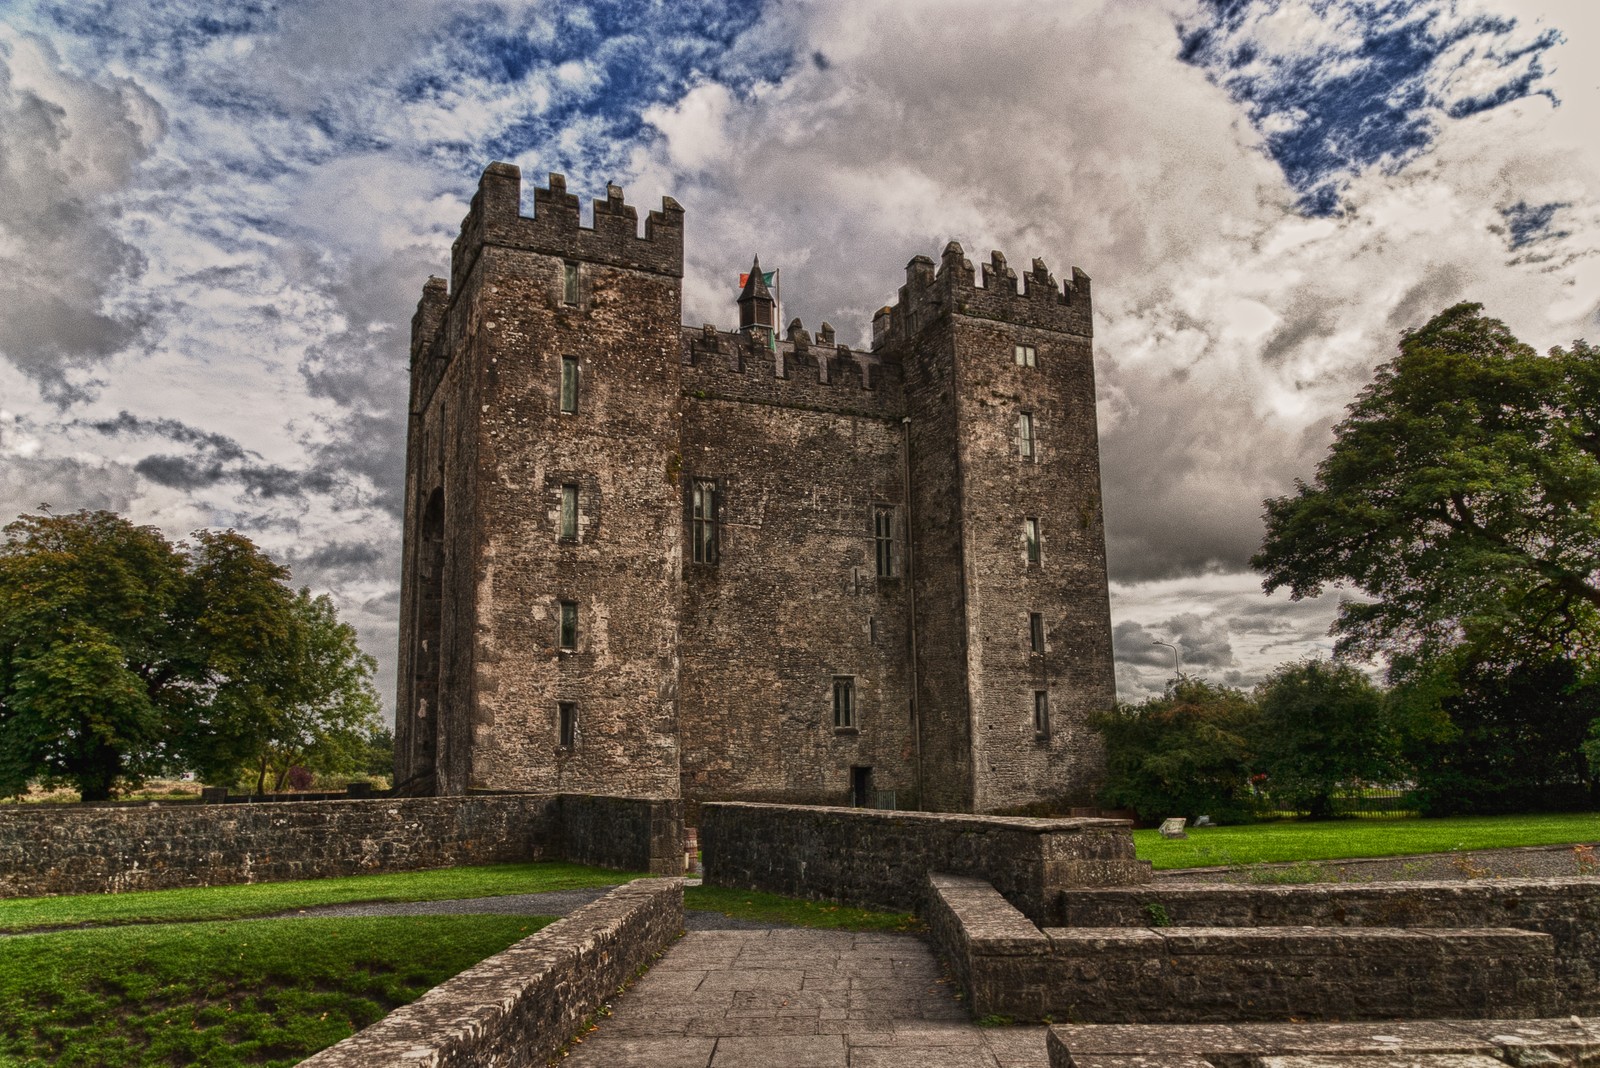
pixel 264 899
pixel 250 992
pixel 1292 840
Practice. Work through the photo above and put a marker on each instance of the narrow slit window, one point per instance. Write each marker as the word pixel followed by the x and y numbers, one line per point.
pixel 844 702
pixel 1030 538
pixel 569 384
pixel 703 521
pixel 566 723
pixel 883 539
pixel 569 511
pixel 1024 355
pixel 1036 632
pixel 569 283
pixel 569 625
pixel 1041 713
pixel 1025 434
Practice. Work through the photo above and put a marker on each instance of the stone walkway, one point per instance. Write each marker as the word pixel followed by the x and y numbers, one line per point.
pixel 790 998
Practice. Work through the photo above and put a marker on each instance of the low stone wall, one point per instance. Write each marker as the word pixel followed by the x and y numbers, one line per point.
pixel 1568 1042
pixel 1221 974
pixel 520 1006
pixel 52 849
pixel 629 833
pixel 1566 909
pixel 881 859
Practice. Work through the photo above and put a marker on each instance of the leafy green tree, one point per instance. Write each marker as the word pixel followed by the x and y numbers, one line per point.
pixel 1186 753
pixel 1323 724
pixel 1489 736
pixel 90 650
pixel 326 710
pixel 1461 494
pixel 122 654
pixel 379 759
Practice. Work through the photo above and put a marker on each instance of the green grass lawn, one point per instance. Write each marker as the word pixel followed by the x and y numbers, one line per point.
pixel 268 992
pixel 263 899
pixel 1261 843
pixel 773 908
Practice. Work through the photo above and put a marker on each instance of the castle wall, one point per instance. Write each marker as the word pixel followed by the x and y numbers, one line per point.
pixel 793 600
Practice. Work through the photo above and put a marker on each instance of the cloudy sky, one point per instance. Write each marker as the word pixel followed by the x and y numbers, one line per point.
pixel 217 218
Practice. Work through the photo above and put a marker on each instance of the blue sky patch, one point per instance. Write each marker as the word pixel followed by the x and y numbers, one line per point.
pixel 1527 224
pixel 1373 97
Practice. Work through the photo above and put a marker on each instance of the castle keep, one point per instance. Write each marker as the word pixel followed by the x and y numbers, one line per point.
pixel 648 559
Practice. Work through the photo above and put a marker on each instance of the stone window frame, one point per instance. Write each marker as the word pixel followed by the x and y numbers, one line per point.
pixel 567 626
pixel 567 387
pixel 567 525
pixel 1033 540
pixel 845 705
pixel 566 725
pixel 1027 437
pixel 1036 637
pixel 1025 355
pixel 1041 714
pixel 704 507
pixel 569 282
pixel 885 525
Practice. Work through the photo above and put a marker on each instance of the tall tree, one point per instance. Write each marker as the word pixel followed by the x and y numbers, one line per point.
pixel 1461 494
pixel 90 644
pixel 121 654
pixel 1323 725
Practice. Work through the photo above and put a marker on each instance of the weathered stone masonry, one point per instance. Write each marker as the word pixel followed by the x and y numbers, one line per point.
pixel 746 530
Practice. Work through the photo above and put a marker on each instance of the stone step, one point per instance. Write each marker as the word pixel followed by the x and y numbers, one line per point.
pixel 1476 1043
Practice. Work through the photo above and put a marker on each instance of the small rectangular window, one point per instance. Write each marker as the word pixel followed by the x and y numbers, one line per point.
pixel 844 702
pixel 1036 632
pixel 1025 434
pixel 1024 355
pixel 569 283
pixel 1041 713
pixel 872 630
pixel 1030 537
pixel 569 511
pixel 569 625
pixel 883 538
pixel 566 723
pixel 569 384
pixel 703 521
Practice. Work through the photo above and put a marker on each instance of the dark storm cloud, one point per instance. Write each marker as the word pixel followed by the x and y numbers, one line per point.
pixel 1201 642
pixel 68 147
pixel 215 458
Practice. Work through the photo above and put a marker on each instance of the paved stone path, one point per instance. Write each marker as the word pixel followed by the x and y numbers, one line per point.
pixel 789 998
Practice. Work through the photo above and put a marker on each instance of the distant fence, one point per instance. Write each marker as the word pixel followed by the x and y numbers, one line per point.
pixel 1394 799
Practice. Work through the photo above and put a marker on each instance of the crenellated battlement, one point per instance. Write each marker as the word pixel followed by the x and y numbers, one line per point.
pixel 495 218
pixel 796 370
pixel 953 286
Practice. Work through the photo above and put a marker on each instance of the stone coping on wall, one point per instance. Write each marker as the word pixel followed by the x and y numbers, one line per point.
pixel 878 858
pixel 520 1006
pixel 1488 1043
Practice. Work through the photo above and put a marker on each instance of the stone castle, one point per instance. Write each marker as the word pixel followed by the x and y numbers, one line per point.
pixel 649 559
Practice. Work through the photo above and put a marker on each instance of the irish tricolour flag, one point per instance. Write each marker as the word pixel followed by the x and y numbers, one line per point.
pixel 766 278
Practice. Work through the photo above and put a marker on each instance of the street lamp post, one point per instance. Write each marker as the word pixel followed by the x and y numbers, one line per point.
pixel 1177 671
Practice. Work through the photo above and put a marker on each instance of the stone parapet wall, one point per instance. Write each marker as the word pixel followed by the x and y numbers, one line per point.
pixel 1566 909
pixel 1141 974
pixel 881 859
pixel 521 1006
pixel 629 833
pixel 1558 1043
pixel 57 849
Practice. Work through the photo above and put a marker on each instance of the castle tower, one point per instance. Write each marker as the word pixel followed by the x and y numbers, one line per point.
pixel 1013 632
pixel 543 549
pixel 648 559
